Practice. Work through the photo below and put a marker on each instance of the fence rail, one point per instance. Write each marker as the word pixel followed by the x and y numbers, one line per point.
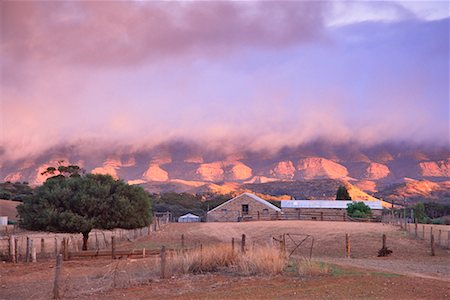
pixel 438 235
pixel 20 246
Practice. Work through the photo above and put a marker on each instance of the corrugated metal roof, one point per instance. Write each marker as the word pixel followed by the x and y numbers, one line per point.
pixel 251 196
pixel 189 215
pixel 326 204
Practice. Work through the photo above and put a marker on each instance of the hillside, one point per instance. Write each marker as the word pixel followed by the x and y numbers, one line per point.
pixel 187 167
pixel 308 189
pixel 412 191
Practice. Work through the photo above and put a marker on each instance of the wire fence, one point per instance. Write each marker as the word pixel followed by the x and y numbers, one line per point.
pixel 45 245
pixel 438 234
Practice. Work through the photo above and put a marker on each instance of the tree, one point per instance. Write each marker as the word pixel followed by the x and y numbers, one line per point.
pixel 358 210
pixel 77 204
pixel 63 171
pixel 342 193
pixel 419 213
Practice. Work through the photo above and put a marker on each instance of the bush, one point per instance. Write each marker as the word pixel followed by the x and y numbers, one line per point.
pixel 263 260
pixel 358 210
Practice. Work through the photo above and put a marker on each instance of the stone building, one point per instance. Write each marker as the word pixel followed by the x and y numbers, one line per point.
pixel 323 210
pixel 245 207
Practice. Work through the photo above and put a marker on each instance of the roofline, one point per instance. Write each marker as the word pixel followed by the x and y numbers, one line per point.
pixel 254 197
pixel 333 201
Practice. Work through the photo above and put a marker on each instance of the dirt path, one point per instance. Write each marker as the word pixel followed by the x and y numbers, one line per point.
pixel 349 284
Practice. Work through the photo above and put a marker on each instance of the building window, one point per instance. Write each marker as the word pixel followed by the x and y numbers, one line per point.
pixel 265 211
pixel 245 209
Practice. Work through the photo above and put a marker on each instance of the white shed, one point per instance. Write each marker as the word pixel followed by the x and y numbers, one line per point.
pixel 189 218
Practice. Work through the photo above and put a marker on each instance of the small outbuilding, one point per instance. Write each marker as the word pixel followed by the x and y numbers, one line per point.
pixel 245 207
pixel 324 210
pixel 189 218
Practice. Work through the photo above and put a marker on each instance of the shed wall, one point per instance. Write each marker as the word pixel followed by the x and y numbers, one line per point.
pixel 232 211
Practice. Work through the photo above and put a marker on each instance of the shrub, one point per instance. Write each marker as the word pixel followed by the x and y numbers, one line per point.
pixel 358 210
pixel 264 260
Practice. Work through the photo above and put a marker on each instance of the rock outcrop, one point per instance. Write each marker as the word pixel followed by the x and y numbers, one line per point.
pixel 210 172
pixel 317 167
pixel 435 168
pixel 238 171
pixel 376 171
pixel 155 173
pixel 283 170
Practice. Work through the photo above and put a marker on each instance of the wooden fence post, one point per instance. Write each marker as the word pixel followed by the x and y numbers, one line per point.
pixel 182 242
pixel 439 237
pixel 31 250
pixel 243 243
pixel 321 216
pixel 258 214
pixel 423 232
pixel 347 245
pixel 64 248
pixel 16 249
pixel 57 277
pixel 12 249
pixel 384 241
pixel 56 247
pixel 163 262
pixel 432 245
pixel 42 247
pixel 344 216
pixel 27 250
pixel 113 247
pixel 415 228
pixel 232 245
pixel 33 254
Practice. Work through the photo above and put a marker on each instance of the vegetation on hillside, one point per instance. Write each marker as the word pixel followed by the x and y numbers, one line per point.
pixel 342 193
pixel 182 203
pixel 16 191
pixel 308 190
pixel 79 204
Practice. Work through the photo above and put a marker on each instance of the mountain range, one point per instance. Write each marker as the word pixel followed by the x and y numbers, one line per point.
pixel 391 171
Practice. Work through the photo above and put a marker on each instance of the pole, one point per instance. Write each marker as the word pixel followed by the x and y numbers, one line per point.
pixel 163 262
pixel 432 245
pixel 27 251
pixel 12 249
pixel 347 245
pixel 243 243
pixel 57 277
pixel 113 247
pixel 182 242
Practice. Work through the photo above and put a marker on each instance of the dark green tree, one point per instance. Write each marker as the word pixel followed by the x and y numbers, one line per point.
pixel 419 213
pixel 358 210
pixel 77 204
pixel 342 193
pixel 63 170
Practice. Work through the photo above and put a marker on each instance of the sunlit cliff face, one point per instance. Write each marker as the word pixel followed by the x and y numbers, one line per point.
pixel 96 77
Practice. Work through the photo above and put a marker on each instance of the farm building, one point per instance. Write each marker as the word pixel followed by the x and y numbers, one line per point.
pixel 245 207
pixel 189 218
pixel 324 210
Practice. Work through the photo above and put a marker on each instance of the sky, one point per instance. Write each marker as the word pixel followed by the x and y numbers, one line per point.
pixel 241 74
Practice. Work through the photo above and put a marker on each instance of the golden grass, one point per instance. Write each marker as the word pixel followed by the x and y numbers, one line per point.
pixel 263 260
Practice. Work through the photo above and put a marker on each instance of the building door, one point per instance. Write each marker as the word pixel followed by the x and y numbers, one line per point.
pixel 244 209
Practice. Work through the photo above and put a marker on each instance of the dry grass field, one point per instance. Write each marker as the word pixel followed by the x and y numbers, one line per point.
pixel 409 272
